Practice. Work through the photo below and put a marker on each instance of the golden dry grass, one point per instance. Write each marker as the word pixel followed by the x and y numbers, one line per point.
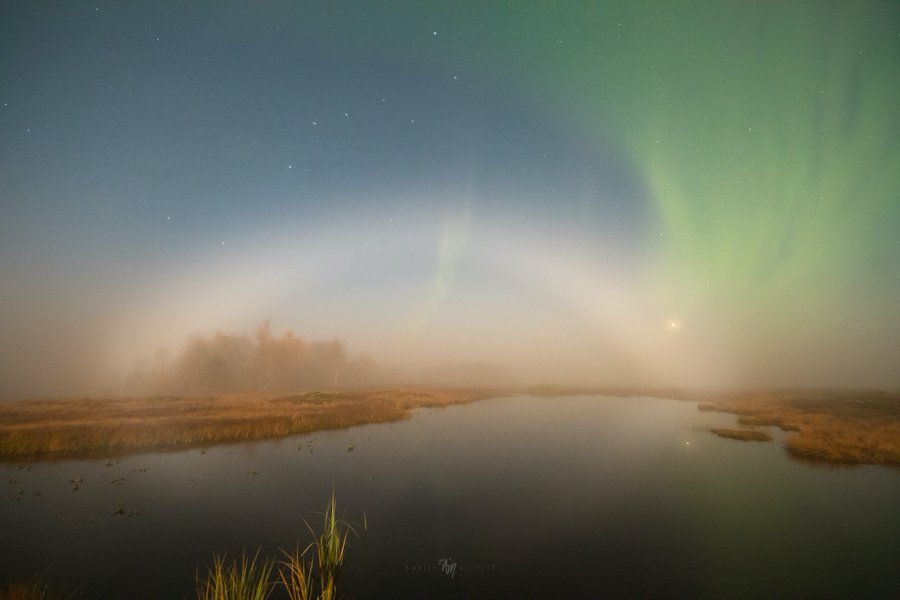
pixel 835 427
pixel 49 429
pixel 23 590
pixel 744 435
pixel 36 588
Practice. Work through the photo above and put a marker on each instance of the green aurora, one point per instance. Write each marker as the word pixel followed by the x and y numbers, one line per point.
pixel 768 134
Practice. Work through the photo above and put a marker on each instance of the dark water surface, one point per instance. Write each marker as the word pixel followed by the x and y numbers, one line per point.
pixel 579 497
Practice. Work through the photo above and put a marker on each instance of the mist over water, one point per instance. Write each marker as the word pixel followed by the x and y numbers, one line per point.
pixel 433 307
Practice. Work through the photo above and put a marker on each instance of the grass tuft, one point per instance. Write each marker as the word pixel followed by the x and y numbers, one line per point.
pixel 247 579
pixel 302 577
pixel 296 575
pixel 316 578
pixel 36 588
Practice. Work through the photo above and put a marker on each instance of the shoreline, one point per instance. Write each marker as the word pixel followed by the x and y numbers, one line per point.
pixel 838 428
pixel 830 427
pixel 49 430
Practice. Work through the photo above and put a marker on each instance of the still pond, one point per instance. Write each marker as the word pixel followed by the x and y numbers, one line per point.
pixel 514 497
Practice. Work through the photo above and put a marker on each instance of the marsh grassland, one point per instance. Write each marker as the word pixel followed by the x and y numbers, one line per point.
pixel 835 427
pixel 65 429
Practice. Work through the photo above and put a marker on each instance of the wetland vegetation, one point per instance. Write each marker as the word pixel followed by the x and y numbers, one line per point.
pixel 307 574
pixel 65 429
pixel 298 576
pixel 836 427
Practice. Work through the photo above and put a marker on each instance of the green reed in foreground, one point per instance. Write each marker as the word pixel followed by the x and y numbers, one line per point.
pixel 302 577
pixel 247 579
pixel 296 575
pixel 299 576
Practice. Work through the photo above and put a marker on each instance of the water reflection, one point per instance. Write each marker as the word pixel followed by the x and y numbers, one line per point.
pixel 511 497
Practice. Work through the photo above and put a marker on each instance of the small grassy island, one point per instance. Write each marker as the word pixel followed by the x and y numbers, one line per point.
pixel 744 435
pixel 838 427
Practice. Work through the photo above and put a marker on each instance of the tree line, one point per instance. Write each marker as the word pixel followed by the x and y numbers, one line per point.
pixel 235 363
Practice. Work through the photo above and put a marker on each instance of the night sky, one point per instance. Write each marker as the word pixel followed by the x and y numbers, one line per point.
pixel 666 193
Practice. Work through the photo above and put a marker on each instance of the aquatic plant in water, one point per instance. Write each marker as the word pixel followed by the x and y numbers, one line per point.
pixel 299 575
pixel 247 579
pixel 303 577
